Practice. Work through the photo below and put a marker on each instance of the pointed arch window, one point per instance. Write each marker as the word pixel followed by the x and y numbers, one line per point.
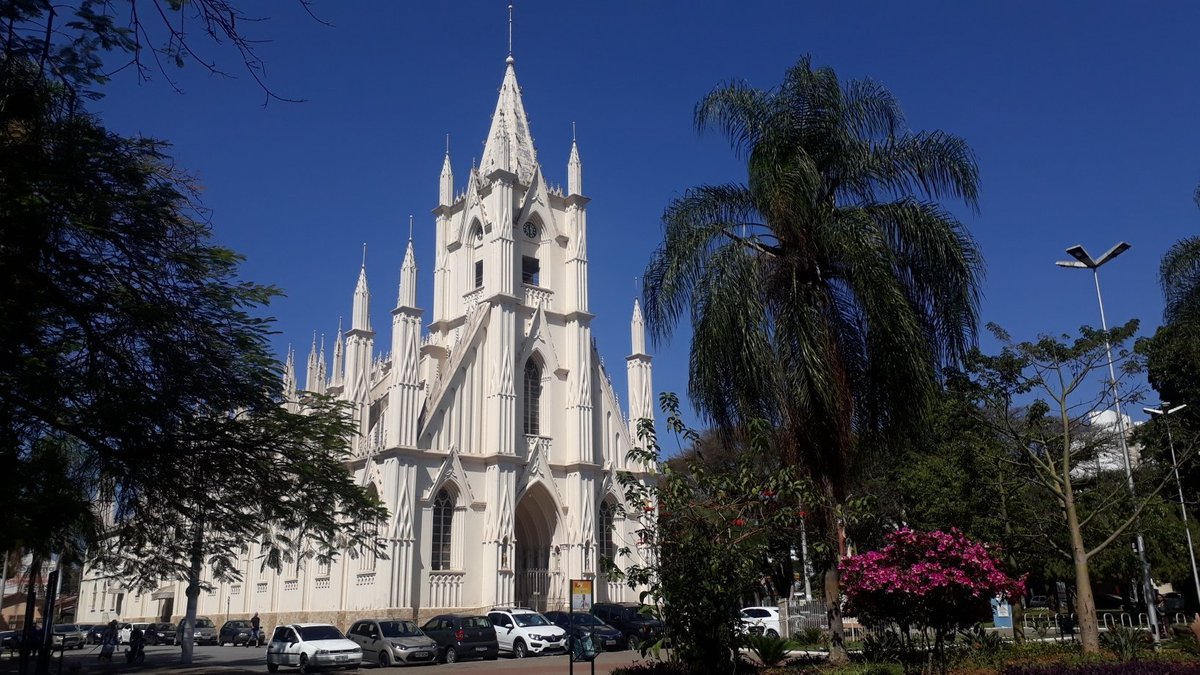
pixel 608 551
pixel 443 522
pixel 366 563
pixel 533 398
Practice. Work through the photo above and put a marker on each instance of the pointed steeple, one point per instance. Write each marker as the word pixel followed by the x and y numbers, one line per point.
pixel 446 182
pixel 408 278
pixel 312 378
pixel 289 375
pixel 510 124
pixel 637 329
pixel 322 375
pixel 361 318
pixel 574 170
pixel 339 356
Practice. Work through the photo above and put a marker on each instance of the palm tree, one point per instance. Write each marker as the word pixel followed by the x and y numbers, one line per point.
pixel 826 291
pixel 1179 274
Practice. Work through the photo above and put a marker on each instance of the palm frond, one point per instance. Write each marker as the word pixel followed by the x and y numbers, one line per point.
pixel 1179 275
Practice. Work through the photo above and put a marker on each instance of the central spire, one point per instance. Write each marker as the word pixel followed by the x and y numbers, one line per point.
pixel 509 122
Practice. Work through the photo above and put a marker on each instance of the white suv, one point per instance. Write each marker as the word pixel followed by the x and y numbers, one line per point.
pixel 524 631
pixel 311 645
pixel 761 621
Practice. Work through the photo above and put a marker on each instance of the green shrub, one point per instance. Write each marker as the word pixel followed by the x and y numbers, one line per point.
pixel 1126 643
pixel 770 651
pixel 810 636
pixel 885 647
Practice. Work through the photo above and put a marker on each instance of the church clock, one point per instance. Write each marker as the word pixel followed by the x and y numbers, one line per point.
pixel 531 229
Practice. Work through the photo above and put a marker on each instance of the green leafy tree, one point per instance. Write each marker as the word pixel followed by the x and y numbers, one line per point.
pixel 1037 396
pixel 705 531
pixel 133 363
pixel 825 292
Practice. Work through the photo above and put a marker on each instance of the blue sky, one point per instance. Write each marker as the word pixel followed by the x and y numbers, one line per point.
pixel 1083 116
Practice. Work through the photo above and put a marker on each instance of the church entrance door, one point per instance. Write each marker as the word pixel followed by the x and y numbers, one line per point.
pixel 536 529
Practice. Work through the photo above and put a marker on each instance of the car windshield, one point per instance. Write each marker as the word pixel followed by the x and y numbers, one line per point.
pixel 530 620
pixel 204 623
pixel 587 620
pixel 319 633
pixel 397 629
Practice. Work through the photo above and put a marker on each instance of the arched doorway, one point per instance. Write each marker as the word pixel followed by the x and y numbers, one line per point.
pixel 535 527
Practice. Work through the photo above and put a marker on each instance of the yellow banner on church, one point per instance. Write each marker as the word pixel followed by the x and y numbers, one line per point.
pixel 581 595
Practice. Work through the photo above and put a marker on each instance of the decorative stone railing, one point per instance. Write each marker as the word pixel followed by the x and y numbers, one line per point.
pixel 535 443
pixel 364 579
pixel 445 589
pixel 471 299
pixel 536 295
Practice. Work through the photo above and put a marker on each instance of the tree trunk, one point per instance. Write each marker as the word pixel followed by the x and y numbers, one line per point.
pixel 34 571
pixel 1085 604
pixel 833 583
pixel 1018 619
pixel 196 563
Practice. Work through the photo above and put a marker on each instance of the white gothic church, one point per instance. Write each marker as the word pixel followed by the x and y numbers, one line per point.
pixel 493 437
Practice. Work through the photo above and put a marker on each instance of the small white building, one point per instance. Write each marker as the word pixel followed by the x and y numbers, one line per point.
pixel 492 434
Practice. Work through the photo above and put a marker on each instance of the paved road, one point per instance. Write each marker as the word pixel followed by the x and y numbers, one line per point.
pixel 239 660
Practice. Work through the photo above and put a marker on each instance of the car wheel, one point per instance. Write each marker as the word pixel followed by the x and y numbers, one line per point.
pixel 519 651
pixel 272 667
pixel 632 643
pixel 303 664
pixel 385 661
pixel 451 655
pixel 773 634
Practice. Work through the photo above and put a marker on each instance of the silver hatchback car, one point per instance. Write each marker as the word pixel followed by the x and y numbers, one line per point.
pixel 388 641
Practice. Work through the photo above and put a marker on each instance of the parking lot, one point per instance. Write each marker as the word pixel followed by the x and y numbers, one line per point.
pixel 234 660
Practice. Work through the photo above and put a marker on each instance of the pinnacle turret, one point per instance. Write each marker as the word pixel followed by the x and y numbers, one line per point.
pixel 312 380
pixel 637 329
pixel 408 278
pixel 361 318
pixel 446 182
pixel 339 357
pixel 574 171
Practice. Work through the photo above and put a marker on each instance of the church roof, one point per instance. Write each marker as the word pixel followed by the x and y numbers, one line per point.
pixel 510 121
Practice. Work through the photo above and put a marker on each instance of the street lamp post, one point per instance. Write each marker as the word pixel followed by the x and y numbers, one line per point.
pixel 1084 261
pixel 1164 411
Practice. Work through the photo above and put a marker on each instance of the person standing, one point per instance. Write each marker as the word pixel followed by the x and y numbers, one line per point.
pixel 255 624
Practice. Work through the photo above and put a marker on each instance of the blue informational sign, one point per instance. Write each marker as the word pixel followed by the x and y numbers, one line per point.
pixel 1001 613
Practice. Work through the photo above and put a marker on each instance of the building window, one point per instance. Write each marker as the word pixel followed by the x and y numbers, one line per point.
pixel 529 270
pixel 443 521
pixel 533 398
pixel 323 568
pixel 478 274
pixel 367 562
pixel 607 550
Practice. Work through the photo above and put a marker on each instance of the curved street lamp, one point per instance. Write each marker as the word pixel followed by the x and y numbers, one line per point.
pixel 1164 411
pixel 1082 260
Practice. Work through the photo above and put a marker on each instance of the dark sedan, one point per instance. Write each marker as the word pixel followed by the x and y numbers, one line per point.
pixel 95 634
pixel 579 624
pixel 235 633
pixel 463 637
pixel 161 634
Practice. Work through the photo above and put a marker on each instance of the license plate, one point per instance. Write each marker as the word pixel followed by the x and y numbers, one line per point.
pixel 481 649
pixel 610 642
pixel 420 655
pixel 342 657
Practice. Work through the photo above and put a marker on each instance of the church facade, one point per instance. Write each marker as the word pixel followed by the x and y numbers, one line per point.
pixel 492 432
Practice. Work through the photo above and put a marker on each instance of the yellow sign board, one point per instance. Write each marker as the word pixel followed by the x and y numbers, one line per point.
pixel 581 595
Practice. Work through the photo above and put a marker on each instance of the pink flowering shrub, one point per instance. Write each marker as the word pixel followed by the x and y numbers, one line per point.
pixel 938 580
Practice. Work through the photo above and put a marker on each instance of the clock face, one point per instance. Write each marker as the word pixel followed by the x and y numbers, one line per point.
pixel 531 230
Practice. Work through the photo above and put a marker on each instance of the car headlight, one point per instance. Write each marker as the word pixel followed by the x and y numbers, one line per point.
pixel 159 634
pixel 399 646
pixel 322 651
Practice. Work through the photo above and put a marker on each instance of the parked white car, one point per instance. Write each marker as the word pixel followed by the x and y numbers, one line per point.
pixel 761 621
pixel 309 646
pixel 126 630
pixel 524 631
